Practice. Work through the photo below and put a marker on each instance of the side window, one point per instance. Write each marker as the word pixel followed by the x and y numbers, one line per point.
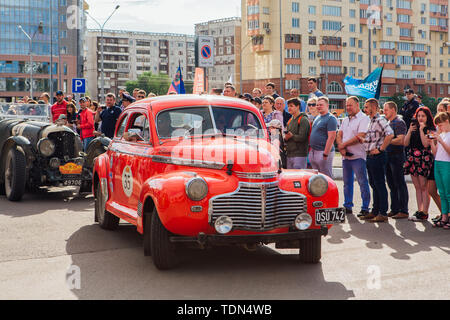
pixel 138 129
pixel 122 127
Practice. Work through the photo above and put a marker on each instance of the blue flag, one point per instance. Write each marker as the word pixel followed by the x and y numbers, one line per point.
pixel 368 88
pixel 178 83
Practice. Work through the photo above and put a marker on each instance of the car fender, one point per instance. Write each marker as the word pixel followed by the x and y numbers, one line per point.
pixel 297 181
pixel 101 170
pixel 96 147
pixel 18 141
pixel 178 213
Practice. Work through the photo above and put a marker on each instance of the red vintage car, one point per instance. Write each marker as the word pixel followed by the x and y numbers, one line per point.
pixel 199 170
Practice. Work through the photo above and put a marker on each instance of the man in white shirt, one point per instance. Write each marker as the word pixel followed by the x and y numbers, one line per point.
pixel 352 131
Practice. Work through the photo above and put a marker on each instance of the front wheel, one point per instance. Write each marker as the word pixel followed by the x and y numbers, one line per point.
pixel 15 174
pixel 162 250
pixel 106 220
pixel 311 250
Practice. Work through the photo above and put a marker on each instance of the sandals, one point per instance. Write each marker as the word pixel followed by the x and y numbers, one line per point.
pixel 442 224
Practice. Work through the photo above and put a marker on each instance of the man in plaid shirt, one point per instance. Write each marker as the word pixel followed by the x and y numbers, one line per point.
pixel 378 138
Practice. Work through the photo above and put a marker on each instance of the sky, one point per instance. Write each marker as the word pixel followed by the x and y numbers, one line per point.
pixel 162 16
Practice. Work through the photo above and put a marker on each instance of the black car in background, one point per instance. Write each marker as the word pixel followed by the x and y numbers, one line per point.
pixel 35 152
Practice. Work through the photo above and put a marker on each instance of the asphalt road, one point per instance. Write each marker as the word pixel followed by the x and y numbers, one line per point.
pixel 50 248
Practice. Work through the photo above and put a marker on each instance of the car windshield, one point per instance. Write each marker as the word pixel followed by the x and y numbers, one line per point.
pixel 38 112
pixel 190 121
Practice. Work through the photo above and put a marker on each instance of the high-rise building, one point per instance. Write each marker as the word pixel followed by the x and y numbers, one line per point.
pixel 127 54
pixel 227 45
pixel 56 28
pixel 330 39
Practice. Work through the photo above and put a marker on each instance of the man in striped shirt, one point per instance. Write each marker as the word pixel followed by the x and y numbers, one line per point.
pixel 378 138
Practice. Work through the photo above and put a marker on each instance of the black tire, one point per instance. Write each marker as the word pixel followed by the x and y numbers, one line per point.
pixel 15 174
pixel 148 235
pixel 163 251
pixel 105 219
pixel 311 250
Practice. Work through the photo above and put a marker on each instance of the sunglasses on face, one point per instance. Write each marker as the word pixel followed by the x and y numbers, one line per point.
pixel 312 104
pixel 141 97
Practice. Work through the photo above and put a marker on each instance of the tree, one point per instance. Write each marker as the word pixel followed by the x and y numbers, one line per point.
pixel 431 103
pixel 158 84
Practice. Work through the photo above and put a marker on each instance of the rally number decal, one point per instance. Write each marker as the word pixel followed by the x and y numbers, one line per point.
pixel 127 181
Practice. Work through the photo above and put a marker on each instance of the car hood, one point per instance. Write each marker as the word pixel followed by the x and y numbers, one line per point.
pixel 247 155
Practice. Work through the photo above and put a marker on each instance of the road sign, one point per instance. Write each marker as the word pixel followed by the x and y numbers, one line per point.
pixel 78 85
pixel 205 51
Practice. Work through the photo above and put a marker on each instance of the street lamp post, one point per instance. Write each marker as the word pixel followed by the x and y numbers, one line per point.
pixel 102 50
pixel 30 39
pixel 326 60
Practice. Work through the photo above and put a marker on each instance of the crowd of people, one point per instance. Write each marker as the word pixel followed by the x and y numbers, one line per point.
pixel 377 145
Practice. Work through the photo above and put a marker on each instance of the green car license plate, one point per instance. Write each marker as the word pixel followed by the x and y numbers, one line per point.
pixel 330 216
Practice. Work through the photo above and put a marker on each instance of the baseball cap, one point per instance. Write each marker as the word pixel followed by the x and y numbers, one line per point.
pixel 409 91
pixel 248 96
pixel 127 97
pixel 257 100
pixel 83 99
pixel 275 123
pixel 59 93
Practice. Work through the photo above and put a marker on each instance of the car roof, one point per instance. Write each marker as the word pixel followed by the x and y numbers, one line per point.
pixel 172 101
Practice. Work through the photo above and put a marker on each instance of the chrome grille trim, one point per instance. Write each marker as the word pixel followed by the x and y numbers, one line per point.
pixel 256 175
pixel 258 206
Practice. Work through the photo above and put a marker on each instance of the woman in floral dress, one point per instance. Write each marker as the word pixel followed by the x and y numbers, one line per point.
pixel 419 159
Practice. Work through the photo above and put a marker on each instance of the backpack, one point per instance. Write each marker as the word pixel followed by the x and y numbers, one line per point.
pixel 299 120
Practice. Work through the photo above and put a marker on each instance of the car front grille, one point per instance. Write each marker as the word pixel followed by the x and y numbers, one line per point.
pixel 258 207
pixel 64 144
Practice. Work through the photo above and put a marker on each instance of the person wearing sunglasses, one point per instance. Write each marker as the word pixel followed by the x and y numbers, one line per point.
pixel 311 109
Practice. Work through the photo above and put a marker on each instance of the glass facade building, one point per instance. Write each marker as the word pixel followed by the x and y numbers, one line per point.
pixel 28 14
pixel 56 42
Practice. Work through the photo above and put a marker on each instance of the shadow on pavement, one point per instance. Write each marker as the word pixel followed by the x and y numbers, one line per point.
pixel 113 266
pixel 46 199
pixel 378 234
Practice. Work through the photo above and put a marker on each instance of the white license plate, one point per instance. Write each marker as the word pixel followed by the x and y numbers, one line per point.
pixel 330 216
pixel 75 183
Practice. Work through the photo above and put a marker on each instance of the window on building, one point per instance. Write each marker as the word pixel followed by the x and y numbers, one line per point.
pixel 312 9
pixel 331 11
pixel 312 25
pixel 352 27
pixel 331 25
pixel 295 23
pixel 334 87
pixel 295 7
pixel 312 40
pixel 389 31
pixel 312 55
pixel 352 13
pixel 352 57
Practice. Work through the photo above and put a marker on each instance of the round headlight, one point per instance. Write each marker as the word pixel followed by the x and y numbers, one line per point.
pixel 223 224
pixel 303 221
pixel 318 185
pixel 46 147
pixel 196 189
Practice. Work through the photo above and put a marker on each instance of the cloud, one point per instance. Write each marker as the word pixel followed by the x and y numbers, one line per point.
pixel 174 16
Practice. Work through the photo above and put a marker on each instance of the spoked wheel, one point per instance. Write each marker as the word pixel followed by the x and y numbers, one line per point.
pixel 162 250
pixel 15 174
pixel 105 219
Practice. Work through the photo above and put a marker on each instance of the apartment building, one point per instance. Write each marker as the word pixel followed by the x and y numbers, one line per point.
pixel 57 29
pixel 227 45
pixel 331 39
pixel 128 54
